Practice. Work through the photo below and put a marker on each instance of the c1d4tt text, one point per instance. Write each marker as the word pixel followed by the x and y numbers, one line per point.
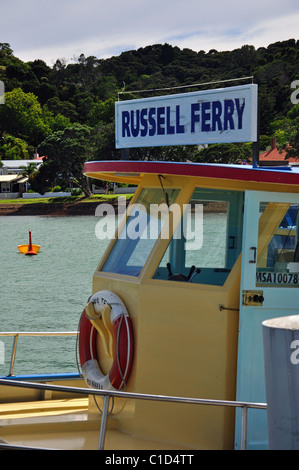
pixel 153 459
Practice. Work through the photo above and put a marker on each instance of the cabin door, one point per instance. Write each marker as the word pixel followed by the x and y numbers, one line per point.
pixel 269 288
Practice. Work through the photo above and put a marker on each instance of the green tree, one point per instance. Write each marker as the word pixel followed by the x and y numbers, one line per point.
pixel 55 122
pixel 64 108
pixel 65 151
pixel 225 153
pixel 29 171
pixel 13 148
pixel 22 117
pixel 104 142
pixel 5 50
pixel 174 153
pixel 102 112
pixel 291 139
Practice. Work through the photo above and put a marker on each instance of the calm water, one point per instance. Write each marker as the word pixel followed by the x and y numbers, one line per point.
pixel 47 291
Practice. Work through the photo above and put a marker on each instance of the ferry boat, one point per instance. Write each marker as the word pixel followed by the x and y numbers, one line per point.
pixel 170 340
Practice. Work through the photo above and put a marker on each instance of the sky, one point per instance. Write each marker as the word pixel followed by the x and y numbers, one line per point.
pixel 64 29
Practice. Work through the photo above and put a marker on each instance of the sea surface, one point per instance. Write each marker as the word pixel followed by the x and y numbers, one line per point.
pixel 46 292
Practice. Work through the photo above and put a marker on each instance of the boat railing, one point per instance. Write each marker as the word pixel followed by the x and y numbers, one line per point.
pixel 108 394
pixel 17 334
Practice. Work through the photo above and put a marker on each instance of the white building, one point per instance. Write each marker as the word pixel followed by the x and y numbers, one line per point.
pixel 12 182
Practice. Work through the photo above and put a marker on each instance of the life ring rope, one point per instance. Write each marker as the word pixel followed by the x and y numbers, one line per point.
pixel 119 325
pixel 123 375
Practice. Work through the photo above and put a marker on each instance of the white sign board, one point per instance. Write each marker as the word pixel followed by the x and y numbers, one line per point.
pixel 201 117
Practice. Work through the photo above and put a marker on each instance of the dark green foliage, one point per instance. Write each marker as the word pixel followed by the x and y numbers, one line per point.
pixel 83 93
pixel 66 153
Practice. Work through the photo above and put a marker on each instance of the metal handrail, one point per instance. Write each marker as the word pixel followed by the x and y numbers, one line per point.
pixel 16 335
pixel 107 394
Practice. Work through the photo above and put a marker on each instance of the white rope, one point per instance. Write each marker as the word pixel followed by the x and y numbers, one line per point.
pixel 184 86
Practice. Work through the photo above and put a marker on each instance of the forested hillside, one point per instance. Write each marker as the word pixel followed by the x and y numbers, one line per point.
pixel 66 111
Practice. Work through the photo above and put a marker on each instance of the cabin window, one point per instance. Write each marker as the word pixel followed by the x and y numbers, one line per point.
pixel 144 223
pixel 278 248
pixel 209 238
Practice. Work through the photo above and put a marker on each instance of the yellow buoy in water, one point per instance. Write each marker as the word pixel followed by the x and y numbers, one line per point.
pixel 29 249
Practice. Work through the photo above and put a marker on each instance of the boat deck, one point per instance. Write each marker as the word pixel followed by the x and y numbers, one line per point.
pixel 59 420
pixel 63 424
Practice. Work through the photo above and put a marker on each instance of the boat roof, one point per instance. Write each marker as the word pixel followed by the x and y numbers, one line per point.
pixel 132 171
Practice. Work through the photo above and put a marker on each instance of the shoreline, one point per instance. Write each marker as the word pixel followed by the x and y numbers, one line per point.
pixel 52 208
pixel 77 208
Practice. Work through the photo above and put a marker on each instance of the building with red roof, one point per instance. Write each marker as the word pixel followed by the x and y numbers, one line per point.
pixel 276 157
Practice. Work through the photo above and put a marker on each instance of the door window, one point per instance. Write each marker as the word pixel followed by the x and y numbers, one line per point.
pixel 278 251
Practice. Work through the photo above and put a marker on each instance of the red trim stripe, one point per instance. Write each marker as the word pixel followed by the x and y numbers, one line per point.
pixel 231 172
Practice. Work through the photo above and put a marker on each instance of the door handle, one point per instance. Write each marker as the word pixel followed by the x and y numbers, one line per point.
pixel 253 261
pixel 232 245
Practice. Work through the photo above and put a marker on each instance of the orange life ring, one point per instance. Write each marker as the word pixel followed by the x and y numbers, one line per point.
pixel 118 375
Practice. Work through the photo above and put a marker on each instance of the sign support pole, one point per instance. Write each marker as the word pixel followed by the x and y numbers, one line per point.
pixel 256 145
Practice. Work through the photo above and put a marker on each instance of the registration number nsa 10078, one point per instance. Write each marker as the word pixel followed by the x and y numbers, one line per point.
pixel 277 278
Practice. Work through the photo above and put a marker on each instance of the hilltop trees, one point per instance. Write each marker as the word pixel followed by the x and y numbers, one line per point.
pixel 47 106
pixel 14 148
pixel 21 116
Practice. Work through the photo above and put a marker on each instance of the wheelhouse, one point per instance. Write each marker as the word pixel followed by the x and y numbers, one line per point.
pixel 218 230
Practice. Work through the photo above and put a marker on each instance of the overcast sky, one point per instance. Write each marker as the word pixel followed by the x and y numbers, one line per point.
pixel 52 29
